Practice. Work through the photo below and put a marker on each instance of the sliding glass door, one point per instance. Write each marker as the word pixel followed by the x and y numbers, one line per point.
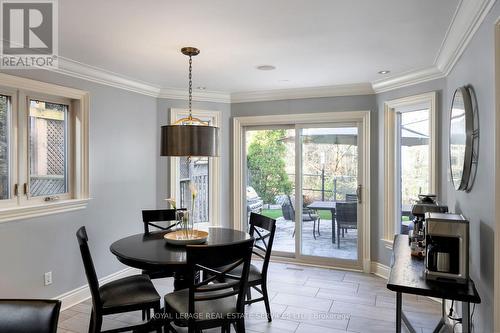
pixel 328 163
pixel 306 177
pixel 270 182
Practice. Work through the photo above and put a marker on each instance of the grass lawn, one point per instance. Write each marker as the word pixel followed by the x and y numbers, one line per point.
pixel 275 213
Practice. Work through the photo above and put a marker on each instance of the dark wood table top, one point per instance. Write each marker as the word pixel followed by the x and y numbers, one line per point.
pixel 323 205
pixel 152 251
pixel 407 276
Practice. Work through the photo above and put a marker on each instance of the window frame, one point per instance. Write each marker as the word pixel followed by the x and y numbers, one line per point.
pixel 391 162
pixel 214 166
pixel 13 142
pixel 21 91
pixel 68 195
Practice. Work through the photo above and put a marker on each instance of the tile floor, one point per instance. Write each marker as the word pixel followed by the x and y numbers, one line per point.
pixel 322 246
pixel 303 300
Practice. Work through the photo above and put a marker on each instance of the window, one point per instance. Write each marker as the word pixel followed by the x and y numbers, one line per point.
pixel 47 149
pixel 202 171
pixel 413 157
pixel 43 148
pixel 410 158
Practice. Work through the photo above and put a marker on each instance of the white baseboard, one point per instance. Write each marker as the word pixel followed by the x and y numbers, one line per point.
pixel 82 293
pixel 380 270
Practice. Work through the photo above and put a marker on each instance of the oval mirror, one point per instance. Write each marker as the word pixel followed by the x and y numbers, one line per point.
pixel 461 138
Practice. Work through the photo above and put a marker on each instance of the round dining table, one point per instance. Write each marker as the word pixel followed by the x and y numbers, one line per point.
pixel 151 251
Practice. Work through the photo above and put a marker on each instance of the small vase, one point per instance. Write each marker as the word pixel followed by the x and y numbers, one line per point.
pixel 185 225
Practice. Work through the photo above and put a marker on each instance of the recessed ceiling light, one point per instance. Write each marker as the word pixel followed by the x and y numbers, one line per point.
pixel 384 72
pixel 266 67
pixel 201 88
pixel 284 80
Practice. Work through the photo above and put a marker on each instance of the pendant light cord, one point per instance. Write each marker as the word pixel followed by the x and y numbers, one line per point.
pixel 190 87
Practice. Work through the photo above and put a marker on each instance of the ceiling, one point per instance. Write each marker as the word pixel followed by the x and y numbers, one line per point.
pixel 311 43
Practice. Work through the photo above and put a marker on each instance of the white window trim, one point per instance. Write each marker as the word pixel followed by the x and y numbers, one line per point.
pixel 390 160
pixel 214 170
pixel 80 160
pixel 238 174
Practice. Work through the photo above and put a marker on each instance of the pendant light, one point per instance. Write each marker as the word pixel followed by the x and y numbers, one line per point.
pixel 190 136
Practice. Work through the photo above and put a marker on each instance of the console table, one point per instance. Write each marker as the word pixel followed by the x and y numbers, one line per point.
pixel 407 276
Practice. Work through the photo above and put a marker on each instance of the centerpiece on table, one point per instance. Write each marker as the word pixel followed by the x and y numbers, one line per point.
pixel 185 233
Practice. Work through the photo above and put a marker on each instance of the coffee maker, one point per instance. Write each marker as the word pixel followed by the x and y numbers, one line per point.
pixel 426 203
pixel 447 247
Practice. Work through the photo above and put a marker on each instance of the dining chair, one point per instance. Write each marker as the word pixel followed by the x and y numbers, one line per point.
pixel 346 217
pixel 132 293
pixel 262 229
pixel 351 197
pixel 208 302
pixel 308 215
pixel 150 218
pixel 29 315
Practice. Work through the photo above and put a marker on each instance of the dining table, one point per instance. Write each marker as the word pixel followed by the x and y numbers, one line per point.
pixel 152 252
pixel 328 206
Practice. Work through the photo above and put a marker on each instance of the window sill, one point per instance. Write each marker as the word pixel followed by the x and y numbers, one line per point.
pixel 387 243
pixel 26 212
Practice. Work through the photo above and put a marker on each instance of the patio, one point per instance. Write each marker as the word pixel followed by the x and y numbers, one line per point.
pixel 322 246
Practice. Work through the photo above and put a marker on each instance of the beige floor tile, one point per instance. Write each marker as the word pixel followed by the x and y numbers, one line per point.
pixel 303 301
pixel 317 318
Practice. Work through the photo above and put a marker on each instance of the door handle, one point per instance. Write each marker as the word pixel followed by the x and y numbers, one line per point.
pixel 358 193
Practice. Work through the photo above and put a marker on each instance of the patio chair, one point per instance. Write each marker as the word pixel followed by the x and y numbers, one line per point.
pixel 351 197
pixel 308 215
pixel 346 216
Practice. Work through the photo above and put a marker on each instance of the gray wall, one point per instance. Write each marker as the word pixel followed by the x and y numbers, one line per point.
pixel 477 68
pixel 122 181
pixel 163 170
pixel 329 104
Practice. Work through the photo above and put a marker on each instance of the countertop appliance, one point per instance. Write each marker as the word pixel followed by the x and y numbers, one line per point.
pixel 447 247
pixel 426 203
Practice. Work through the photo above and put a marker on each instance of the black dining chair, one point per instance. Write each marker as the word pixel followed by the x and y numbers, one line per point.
pixel 262 229
pixel 132 293
pixel 308 215
pixel 29 315
pixel 346 216
pixel 151 218
pixel 208 302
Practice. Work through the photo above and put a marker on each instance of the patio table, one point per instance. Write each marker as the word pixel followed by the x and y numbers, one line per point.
pixel 329 206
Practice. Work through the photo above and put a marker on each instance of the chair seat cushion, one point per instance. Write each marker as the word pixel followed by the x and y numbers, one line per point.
pixel 178 302
pixel 253 276
pixel 128 292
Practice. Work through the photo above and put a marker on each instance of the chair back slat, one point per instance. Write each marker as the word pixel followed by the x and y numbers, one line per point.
pixel 347 213
pixel 351 197
pixel 88 264
pixel 157 215
pixel 268 224
pixel 210 259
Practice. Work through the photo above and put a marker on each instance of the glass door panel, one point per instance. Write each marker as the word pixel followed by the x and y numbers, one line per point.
pixel 329 180
pixel 270 182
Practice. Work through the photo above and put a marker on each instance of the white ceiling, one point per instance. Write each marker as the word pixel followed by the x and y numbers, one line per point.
pixel 311 43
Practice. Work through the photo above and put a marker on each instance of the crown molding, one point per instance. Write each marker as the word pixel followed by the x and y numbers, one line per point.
pixel 298 93
pixel 407 79
pixel 80 70
pixel 466 20
pixel 202 96
pixel 83 71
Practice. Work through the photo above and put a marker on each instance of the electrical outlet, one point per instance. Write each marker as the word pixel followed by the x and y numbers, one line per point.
pixel 47 278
